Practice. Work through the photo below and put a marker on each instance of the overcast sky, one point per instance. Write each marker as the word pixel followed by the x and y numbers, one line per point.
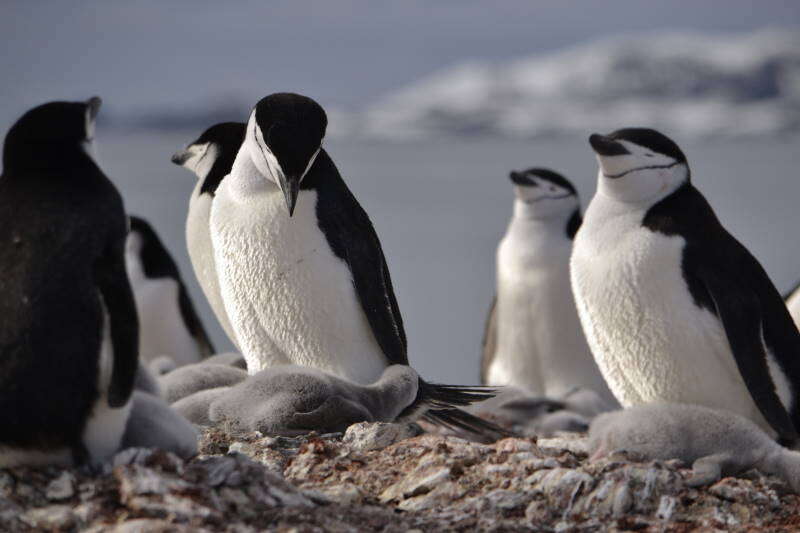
pixel 342 52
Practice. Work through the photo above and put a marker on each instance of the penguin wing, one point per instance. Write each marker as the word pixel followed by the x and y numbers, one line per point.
pixel 193 323
pixel 353 239
pixel 112 280
pixel 736 303
pixel 373 285
pixel 489 341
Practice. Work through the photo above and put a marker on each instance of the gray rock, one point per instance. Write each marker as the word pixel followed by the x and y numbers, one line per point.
pixel 62 487
pixel 366 436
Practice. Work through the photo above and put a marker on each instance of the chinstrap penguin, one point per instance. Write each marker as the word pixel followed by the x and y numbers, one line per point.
pixel 675 309
pixel 301 270
pixel 534 338
pixel 69 329
pixel 154 424
pixel 168 321
pixel 715 442
pixel 210 157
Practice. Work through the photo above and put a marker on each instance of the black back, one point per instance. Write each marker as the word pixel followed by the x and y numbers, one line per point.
pixel 228 138
pixel 353 239
pixel 724 278
pixel 62 242
pixel 158 263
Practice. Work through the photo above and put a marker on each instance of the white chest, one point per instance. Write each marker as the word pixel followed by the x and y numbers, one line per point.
pixel 650 340
pixel 289 298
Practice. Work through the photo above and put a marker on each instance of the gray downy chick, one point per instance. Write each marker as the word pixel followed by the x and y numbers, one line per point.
pixel 154 424
pixel 188 379
pixel 716 443
pixel 292 400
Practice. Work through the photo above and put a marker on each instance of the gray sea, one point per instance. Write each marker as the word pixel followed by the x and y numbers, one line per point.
pixel 440 208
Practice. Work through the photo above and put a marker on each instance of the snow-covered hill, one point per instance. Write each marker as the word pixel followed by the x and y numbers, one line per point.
pixel 686 84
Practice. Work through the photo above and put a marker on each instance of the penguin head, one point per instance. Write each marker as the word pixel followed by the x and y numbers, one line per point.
pixel 547 193
pixel 52 135
pixel 284 136
pixel 639 164
pixel 211 155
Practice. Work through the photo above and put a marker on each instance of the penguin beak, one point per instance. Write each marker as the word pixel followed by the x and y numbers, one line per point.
pixel 604 146
pixel 290 185
pixel 180 157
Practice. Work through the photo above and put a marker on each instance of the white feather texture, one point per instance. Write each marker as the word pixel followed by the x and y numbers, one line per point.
pixel 201 254
pixel 650 340
pixel 289 298
pixel 540 344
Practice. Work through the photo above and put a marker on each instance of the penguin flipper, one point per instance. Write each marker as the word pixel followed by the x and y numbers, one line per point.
pixel 193 322
pixel 741 317
pixel 489 341
pixel 112 279
pixel 341 215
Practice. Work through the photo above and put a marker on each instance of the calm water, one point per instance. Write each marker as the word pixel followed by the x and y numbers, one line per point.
pixel 441 207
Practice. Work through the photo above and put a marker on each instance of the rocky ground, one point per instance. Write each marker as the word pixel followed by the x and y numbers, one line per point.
pixel 386 477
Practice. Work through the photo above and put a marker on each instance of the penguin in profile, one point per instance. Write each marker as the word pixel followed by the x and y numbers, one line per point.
pixel 675 309
pixel 168 322
pixel 301 270
pixel 210 157
pixel 533 338
pixel 69 331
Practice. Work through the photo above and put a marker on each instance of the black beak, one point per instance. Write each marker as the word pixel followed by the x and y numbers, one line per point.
pixel 180 157
pixel 290 185
pixel 94 104
pixel 604 146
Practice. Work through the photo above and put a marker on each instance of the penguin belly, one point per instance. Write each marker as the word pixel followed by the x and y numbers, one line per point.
pixel 102 435
pixel 162 330
pixel 546 353
pixel 289 298
pixel 649 338
pixel 201 254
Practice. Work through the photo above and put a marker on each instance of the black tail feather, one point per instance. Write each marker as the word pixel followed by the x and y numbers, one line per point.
pixel 460 422
pixel 438 396
pixel 438 404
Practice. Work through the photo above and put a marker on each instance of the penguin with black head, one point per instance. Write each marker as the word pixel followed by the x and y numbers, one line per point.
pixel 168 322
pixel 69 329
pixel 210 157
pixel 301 270
pixel 675 309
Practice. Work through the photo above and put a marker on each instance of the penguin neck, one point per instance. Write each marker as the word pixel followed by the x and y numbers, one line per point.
pixel 527 215
pixel 245 179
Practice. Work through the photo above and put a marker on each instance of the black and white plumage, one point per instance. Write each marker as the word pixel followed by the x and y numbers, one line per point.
pixel 210 157
pixel 534 338
pixel 675 308
pixel 301 270
pixel 69 329
pixel 168 322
